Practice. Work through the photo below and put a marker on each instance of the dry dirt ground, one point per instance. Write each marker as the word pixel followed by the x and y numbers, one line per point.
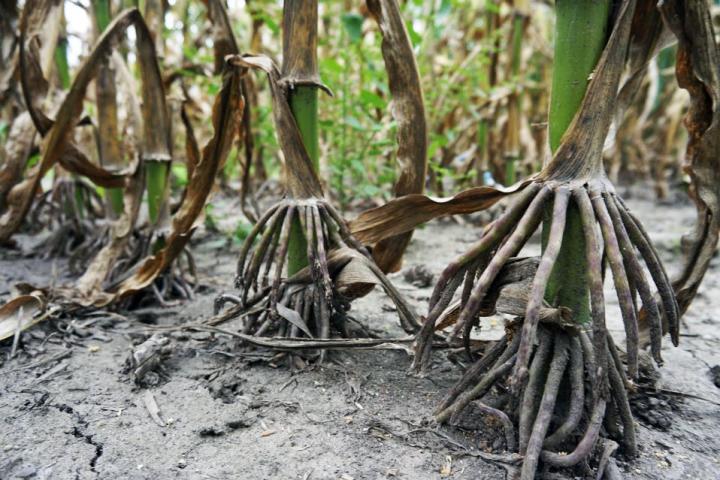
pixel 69 412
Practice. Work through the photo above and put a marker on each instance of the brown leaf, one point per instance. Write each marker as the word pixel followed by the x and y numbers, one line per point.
pixel 301 179
pixel 696 69
pixel 294 318
pixel 20 313
pixel 57 141
pixel 648 35
pixel 192 150
pixel 409 112
pixel 402 214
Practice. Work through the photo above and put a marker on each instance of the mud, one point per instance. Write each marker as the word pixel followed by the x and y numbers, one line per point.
pixel 71 409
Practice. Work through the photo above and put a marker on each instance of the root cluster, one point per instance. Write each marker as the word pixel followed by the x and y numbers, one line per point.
pixel 177 283
pixel 71 210
pixel 535 357
pixel 314 302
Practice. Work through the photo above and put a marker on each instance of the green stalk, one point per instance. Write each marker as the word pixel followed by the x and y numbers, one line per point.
pixel 157 172
pixel 61 62
pixel 665 60
pixel 300 19
pixel 156 181
pixel 581 31
pixel 304 106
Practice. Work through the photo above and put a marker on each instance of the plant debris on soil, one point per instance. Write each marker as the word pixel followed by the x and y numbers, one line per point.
pixel 122 395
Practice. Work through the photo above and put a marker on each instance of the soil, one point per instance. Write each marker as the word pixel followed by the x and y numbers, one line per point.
pixel 70 410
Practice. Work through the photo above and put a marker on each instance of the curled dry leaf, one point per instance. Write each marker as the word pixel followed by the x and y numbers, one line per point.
pixel 403 214
pixel 409 112
pixel 648 35
pixel 21 313
pixel 224 44
pixel 696 69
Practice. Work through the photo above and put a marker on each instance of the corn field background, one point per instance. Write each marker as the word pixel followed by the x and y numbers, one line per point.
pixel 359 240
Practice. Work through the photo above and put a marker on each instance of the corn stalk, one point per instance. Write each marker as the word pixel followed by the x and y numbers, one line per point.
pixel 558 332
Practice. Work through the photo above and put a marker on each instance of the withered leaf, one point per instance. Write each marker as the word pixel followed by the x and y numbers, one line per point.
pixel 409 112
pixel 403 214
pixel 20 313
pixel 696 69
pixel 300 176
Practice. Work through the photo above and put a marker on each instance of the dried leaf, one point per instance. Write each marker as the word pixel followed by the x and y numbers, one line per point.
pixel 648 35
pixel 697 63
pixel 192 150
pixel 301 179
pixel 294 318
pixel 152 408
pixel 21 313
pixel 224 44
pixel 409 112
pixel 403 214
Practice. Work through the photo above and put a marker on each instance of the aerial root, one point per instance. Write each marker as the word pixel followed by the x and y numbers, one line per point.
pixel 71 210
pixel 610 231
pixel 535 356
pixel 178 282
pixel 308 304
pixel 577 398
pixel 641 240
pixel 558 355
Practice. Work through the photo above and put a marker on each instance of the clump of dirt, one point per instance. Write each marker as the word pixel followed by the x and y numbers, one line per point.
pixel 715 375
pixel 419 276
pixel 655 410
pixel 225 383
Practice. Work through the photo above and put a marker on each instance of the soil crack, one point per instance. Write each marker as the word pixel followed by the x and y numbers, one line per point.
pixel 79 431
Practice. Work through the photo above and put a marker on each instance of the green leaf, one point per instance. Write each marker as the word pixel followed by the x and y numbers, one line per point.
pixel 330 65
pixel 353 26
pixel 353 122
pixel 371 98
pixel 415 37
pixel 179 171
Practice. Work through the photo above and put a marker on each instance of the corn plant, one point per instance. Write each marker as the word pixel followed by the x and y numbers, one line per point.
pixel 304 235
pixel 561 330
